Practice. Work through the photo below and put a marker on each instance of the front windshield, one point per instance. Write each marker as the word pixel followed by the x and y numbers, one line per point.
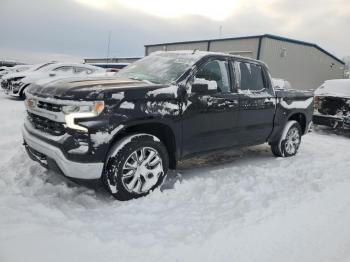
pixel 39 67
pixel 160 68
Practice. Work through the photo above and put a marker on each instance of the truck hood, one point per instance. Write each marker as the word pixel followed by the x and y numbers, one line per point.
pixel 334 88
pixel 93 88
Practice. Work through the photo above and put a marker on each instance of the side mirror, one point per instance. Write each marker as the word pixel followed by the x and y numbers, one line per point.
pixel 201 86
pixel 52 74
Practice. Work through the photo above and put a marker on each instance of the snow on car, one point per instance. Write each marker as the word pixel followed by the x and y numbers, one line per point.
pixel 15 69
pixel 332 104
pixel 16 83
pixel 234 206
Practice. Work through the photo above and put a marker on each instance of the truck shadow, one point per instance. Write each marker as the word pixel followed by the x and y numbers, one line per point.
pixel 205 165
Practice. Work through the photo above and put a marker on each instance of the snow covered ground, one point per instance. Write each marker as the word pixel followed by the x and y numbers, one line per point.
pixel 237 206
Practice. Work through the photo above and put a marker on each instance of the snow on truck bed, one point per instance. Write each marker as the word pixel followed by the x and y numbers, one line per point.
pixel 242 205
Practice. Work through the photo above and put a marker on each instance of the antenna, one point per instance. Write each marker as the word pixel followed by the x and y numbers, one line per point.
pixel 220 31
pixel 108 45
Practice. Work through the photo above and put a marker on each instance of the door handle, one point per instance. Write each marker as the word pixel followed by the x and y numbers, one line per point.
pixel 268 103
pixel 232 101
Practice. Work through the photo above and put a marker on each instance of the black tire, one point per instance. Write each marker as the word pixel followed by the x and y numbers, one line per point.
pixel 114 177
pixel 22 94
pixel 280 148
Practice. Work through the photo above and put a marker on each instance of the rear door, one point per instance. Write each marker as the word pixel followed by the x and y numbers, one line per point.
pixel 257 102
pixel 210 120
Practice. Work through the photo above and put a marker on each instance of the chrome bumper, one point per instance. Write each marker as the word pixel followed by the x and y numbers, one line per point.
pixel 69 168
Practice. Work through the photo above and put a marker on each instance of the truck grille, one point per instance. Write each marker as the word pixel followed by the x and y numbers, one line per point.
pixel 49 106
pixel 46 125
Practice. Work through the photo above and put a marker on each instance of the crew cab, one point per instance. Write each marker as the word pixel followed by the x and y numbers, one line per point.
pixel 128 131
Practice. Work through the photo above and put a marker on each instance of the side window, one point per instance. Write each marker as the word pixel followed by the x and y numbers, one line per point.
pixel 79 70
pixel 217 71
pixel 249 76
pixel 66 69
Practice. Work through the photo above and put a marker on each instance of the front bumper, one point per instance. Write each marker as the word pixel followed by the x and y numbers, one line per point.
pixel 8 89
pixel 42 151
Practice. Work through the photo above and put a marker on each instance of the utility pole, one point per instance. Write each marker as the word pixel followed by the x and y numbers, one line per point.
pixel 220 31
pixel 108 45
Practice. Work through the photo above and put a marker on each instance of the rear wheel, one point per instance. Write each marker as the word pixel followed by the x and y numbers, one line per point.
pixel 136 165
pixel 289 141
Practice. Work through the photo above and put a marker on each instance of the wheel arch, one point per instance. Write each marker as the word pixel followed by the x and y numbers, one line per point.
pixel 21 91
pixel 300 118
pixel 162 131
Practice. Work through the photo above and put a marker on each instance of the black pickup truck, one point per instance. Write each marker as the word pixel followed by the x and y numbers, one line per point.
pixel 129 130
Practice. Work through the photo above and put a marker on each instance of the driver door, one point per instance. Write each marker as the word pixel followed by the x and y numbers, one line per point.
pixel 210 118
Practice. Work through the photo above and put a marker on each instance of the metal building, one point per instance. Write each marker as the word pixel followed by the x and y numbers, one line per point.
pixel 304 65
pixel 111 60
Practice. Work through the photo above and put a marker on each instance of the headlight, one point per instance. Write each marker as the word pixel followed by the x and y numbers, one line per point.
pixel 81 111
pixel 96 107
pixel 30 103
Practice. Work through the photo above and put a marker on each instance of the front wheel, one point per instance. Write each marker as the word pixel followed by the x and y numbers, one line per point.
pixel 135 166
pixel 289 141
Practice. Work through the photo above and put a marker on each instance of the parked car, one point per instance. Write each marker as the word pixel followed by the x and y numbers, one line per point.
pixel 3 71
pixel 332 104
pixel 16 83
pixel 15 69
pixel 129 130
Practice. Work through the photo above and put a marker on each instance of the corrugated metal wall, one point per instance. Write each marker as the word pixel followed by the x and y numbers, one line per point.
pixel 202 46
pixel 155 48
pixel 244 47
pixel 305 67
pixel 112 60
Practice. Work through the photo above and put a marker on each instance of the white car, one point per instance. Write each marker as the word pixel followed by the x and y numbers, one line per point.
pixel 4 70
pixel 14 84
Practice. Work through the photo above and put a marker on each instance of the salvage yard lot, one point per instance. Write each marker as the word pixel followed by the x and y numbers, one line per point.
pixel 242 205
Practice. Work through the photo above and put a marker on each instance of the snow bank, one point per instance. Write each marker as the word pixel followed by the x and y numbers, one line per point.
pixel 236 206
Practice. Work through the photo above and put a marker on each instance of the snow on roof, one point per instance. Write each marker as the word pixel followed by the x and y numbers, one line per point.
pixel 200 54
pixel 275 37
pixel 335 87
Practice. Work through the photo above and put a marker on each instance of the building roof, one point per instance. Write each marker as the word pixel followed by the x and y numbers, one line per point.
pixel 113 58
pixel 257 36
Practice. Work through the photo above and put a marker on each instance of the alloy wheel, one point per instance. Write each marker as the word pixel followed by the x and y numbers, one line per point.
pixel 141 170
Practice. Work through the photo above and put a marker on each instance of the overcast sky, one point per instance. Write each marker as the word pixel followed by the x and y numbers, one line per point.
pixel 39 30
